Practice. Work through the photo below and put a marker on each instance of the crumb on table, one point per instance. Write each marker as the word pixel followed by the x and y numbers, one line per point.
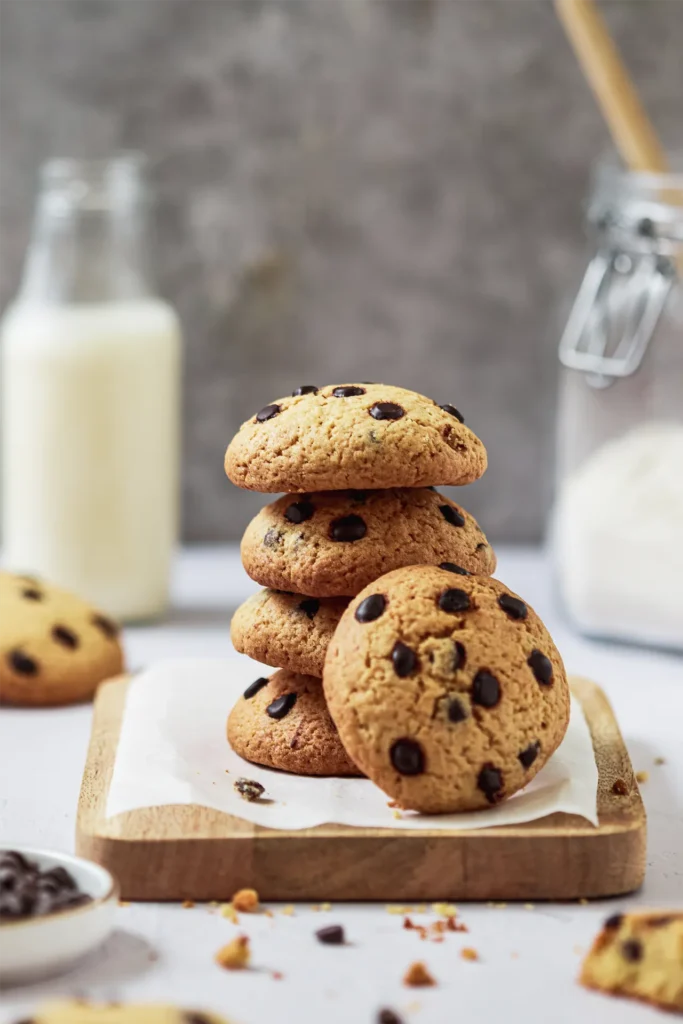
pixel 227 910
pixel 246 901
pixel 469 954
pixel 642 776
pixel 187 904
pixel 235 955
pixel 249 789
pixel 418 975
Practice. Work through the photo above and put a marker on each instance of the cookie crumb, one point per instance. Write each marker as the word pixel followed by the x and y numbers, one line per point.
pixel 407 923
pixel 421 908
pixel 288 911
pixel 326 906
pixel 187 904
pixel 660 760
pixel 496 906
pixel 332 935
pixel 469 954
pixel 642 776
pixel 418 976
pixel 249 789
pixel 583 901
pixel 398 908
pixel 388 1017
pixel 529 906
pixel 619 788
pixel 124 903
pixel 235 955
pixel 246 901
pixel 445 909
pixel 397 815
pixel 227 910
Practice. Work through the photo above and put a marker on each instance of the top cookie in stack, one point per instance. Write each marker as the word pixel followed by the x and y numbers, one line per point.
pixel 359 463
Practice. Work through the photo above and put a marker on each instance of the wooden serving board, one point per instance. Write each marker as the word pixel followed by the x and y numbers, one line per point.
pixel 189 852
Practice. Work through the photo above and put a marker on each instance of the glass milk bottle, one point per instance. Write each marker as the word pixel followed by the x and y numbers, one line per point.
pixel 618 524
pixel 91 397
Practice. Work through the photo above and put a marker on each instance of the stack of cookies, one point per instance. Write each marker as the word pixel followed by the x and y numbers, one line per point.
pixel 374 580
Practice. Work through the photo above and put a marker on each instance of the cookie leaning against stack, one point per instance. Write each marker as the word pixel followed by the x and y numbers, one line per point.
pixel 358 463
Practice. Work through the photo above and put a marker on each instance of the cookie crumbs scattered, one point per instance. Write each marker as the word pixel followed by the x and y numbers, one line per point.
pixel 246 901
pixel 288 911
pixel 469 954
pixel 445 909
pixel 124 903
pixel 529 906
pixel 418 976
pixel 249 789
pixel 642 776
pixel 660 760
pixel 421 908
pixel 227 910
pixel 326 906
pixel 583 901
pixel 397 908
pixel 407 923
pixel 619 788
pixel 455 926
pixel 235 955
pixel 187 904
pixel 397 815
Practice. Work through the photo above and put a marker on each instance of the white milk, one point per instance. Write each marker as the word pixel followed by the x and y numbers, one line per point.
pixel 90 432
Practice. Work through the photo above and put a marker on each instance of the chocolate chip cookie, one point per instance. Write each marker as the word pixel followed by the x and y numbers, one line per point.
pixel 639 955
pixel 447 690
pixel 54 647
pixel 336 542
pixel 283 722
pixel 353 435
pixel 78 1011
pixel 287 630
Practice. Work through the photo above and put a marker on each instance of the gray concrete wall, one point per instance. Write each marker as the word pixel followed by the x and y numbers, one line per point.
pixel 348 189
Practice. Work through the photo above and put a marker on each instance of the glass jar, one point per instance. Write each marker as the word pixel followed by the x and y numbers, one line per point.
pixel 91 396
pixel 617 527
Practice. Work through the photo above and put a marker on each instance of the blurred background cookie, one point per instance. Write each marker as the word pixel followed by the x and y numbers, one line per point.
pixel 287 630
pixel 54 647
pixel 336 542
pixel 353 435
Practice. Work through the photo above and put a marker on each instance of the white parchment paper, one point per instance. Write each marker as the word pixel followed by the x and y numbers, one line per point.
pixel 173 750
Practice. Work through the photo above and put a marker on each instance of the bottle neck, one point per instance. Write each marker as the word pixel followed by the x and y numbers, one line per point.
pixel 89 240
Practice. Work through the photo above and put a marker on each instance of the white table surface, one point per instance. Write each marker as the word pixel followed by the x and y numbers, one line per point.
pixel 529 956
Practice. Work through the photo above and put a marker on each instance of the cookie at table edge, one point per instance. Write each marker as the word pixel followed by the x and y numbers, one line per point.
pixel 448 691
pixel 55 648
pixel 354 436
pixel 283 722
pixel 287 630
pixel 328 543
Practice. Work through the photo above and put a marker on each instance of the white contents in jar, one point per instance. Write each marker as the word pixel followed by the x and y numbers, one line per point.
pixel 619 538
pixel 90 449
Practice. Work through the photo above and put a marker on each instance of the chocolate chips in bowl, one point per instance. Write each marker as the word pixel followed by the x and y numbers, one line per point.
pixel 26 891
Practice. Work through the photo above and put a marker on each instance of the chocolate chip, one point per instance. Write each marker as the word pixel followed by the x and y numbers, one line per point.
pixel 348 528
pixel 459 656
pixel 513 607
pixel 452 567
pixel 254 687
pixel 632 951
pixel 407 757
pixel 31 594
pixel 106 626
pixel 454 600
pixel 541 667
pixel 65 636
pixel 281 706
pixel 490 782
pixel 360 497
pixel 527 757
pixel 309 606
pixel 347 391
pixel 299 511
pixel 404 659
pixel 485 689
pixel 267 413
pixel 386 411
pixel 456 710
pixel 452 515
pixel 305 389
pixel 248 789
pixel 332 935
pixel 272 538
pixel 22 664
pixel 614 922
pixel 370 608
pixel 388 1017
pixel 452 411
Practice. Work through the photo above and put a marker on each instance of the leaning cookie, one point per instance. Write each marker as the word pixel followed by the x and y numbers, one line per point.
pixel 336 542
pixel 353 435
pixel 287 630
pixel 283 722
pixel 447 690
pixel 54 647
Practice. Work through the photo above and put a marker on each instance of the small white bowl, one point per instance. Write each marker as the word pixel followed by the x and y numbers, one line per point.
pixel 34 947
